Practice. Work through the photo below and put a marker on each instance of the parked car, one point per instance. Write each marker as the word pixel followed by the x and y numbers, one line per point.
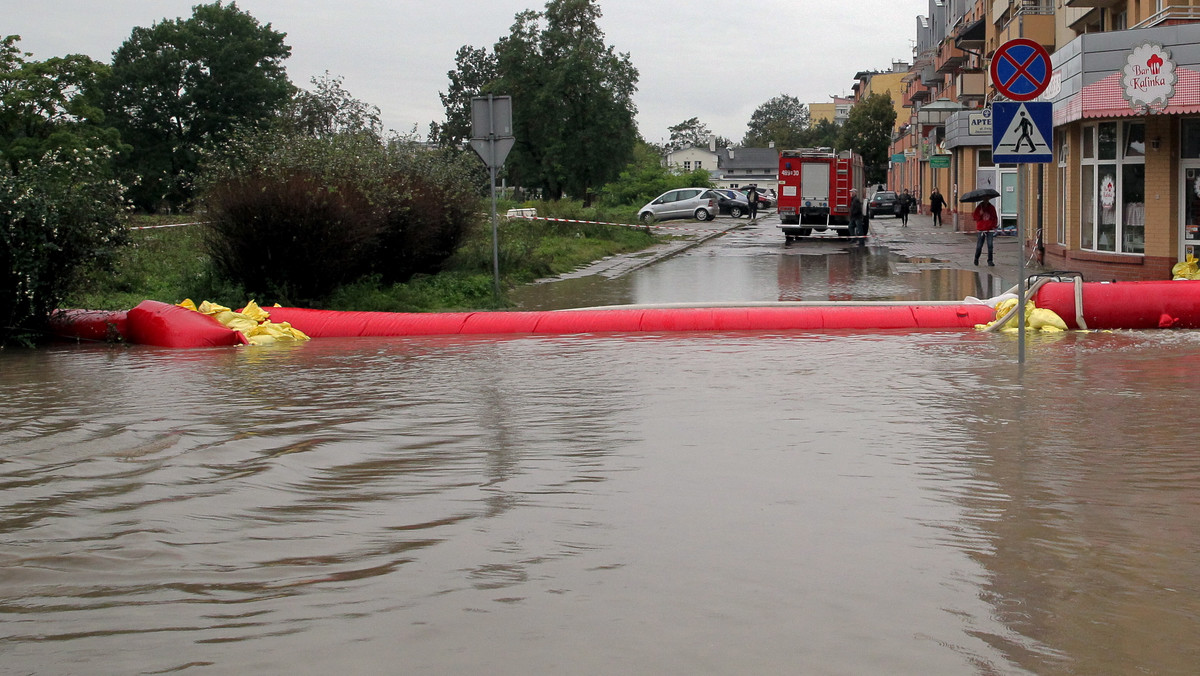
pixel 732 202
pixel 698 203
pixel 884 202
pixel 766 198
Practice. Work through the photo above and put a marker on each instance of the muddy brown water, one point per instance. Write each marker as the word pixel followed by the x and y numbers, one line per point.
pixel 828 503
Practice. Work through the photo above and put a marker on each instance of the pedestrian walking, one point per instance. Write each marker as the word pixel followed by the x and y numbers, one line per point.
pixel 752 198
pixel 936 202
pixel 906 203
pixel 985 222
pixel 857 227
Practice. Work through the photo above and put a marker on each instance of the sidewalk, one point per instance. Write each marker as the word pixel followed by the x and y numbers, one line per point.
pixel 920 240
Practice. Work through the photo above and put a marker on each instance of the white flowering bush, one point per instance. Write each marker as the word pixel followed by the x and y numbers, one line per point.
pixel 59 217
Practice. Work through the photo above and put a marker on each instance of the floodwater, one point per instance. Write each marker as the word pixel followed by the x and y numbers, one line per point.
pixel 753 267
pixel 751 503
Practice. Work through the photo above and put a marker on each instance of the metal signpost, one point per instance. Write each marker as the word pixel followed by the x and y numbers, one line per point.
pixel 1021 132
pixel 492 138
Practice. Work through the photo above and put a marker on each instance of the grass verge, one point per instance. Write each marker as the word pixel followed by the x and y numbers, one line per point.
pixel 169 264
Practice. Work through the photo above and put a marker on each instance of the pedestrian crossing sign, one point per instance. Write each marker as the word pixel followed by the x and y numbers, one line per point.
pixel 1022 132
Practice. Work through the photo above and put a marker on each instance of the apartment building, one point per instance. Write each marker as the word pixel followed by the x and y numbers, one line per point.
pixel 1121 200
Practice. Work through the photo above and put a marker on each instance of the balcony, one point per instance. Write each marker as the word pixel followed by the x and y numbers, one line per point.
pixel 949 59
pixel 1032 21
pixel 1172 16
pixel 1091 3
pixel 917 93
pixel 970 87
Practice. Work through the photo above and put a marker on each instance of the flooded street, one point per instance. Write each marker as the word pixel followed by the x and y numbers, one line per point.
pixel 754 503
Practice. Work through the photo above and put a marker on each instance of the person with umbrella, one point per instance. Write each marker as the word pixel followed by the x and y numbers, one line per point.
pixel 985 222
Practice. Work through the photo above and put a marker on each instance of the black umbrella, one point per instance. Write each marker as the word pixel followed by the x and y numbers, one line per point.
pixel 979 195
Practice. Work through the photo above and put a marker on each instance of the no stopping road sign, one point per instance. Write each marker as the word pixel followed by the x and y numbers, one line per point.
pixel 1021 69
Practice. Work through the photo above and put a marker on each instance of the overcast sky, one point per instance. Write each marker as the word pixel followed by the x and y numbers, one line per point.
pixel 717 60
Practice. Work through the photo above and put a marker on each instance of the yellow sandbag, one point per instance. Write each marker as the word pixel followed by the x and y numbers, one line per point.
pixel 1003 308
pixel 253 311
pixel 211 308
pixel 1186 269
pixel 1043 319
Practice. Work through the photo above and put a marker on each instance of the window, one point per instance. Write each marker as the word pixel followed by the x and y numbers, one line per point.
pixel 1063 157
pixel 699 164
pixel 687 166
pixel 1189 145
pixel 1113 187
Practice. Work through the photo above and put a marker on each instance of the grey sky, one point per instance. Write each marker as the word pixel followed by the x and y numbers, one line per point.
pixel 717 60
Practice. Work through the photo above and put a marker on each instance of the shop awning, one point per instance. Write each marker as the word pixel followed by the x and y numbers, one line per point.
pixel 1106 98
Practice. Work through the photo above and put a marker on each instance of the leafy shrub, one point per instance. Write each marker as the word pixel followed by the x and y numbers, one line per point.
pixel 59 218
pixel 645 178
pixel 296 216
pixel 291 236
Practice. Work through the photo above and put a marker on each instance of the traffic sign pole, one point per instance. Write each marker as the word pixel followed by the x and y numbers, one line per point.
pixel 1020 71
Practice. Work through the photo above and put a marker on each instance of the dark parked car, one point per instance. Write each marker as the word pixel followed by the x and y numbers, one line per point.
pixel 884 202
pixel 732 202
pixel 766 198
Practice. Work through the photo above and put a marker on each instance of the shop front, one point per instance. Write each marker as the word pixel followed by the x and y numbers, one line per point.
pixel 1124 193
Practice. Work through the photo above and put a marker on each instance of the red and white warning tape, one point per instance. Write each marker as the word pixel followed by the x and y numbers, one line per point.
pixel 626 225
pixel 169 225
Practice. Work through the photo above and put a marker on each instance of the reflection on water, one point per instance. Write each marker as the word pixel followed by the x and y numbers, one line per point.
pixel 741 503
pixel 739 272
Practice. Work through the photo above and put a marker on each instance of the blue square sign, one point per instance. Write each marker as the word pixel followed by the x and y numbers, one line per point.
pixel 1022 132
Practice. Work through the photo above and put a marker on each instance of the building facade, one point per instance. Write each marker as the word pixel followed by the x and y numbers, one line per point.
pixel 1121 198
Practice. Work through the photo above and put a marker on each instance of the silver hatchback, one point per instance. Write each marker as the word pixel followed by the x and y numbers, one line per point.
pixel 698 203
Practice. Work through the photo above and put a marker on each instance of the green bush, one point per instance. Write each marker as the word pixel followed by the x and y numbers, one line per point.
pixel 294 217
pixel 59 219
pixel 645 178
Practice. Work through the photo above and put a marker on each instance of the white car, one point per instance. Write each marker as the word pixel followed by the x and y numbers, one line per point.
pixel 698 203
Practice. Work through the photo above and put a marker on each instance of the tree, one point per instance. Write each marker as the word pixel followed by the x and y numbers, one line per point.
pixel 475 71
pixel 646 178
pixel 573 111
pixel 183 83
pixel 690 132
pixel 868 131
pixel 330 109
pixel 49 106
pixel 62 217
pixel 781 120
pixel 823 134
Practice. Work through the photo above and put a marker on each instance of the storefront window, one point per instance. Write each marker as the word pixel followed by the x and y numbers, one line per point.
pixel 1133 199
pixel 1113 187
pixel 1135 139
pixel 1089 143
pixel 1087 230
pixel 1061 229
pixel 1108 140
pixel 1106 235
pixel 1189 147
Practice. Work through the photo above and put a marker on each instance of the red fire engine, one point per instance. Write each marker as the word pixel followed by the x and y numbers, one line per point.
pixel 814 190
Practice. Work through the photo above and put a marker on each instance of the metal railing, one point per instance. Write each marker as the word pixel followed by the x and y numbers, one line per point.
pixel 1171 14
pixel 1042 7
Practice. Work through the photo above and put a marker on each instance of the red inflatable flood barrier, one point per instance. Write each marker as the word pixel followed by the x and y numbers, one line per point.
pixel 91 325
pixel 1118 305
pixel 155 323
pixel 1126 305
pixel 330 324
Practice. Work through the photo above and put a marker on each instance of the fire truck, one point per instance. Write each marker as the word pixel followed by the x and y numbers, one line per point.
pixel 814 190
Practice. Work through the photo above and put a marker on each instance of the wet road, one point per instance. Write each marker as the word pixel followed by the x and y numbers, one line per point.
pixel 735 260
